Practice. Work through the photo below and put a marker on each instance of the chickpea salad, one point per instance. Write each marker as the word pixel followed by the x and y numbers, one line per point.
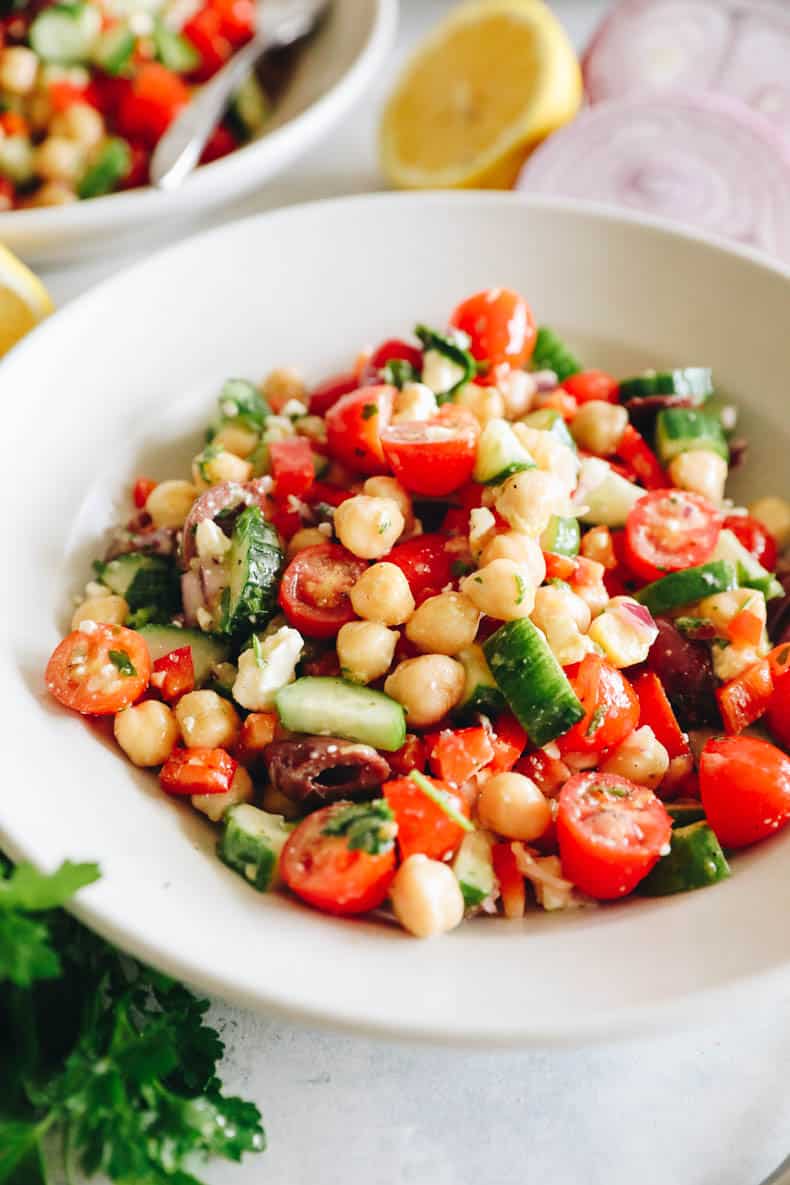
pixel 88 87
pixel 438 636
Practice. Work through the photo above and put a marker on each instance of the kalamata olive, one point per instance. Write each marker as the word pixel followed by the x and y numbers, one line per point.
pixel 314 770
pixel 643 409
pixel 221 500
pixel 685 668
pixel 122 540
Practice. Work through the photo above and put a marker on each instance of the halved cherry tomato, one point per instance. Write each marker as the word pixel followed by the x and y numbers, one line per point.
pixel 354 425
pixel 425 562
pixel 142 488
pixel 656 712
pixel 237 19
pixel 174 674
pixel 548 773
pixel 512 889
pixel 456 754
pixel 745 698
pixel 669 530
pixel 592 384
pixel 326 394
pixel 611 833
pixel 324 491
pixel 422 824
pixel 14 124
pixel 500 326
pixel 98 670
pixel 205 32
pixel 411 755
pixel 433 457
pixel 745 788
pixel 509 740
pixel 755 538
pixel 634 450
pixel 611 709
pixel 198 771
pixel 292 466
pixel 315 586
pixel 220 143
pixel 324 871
pixel 777 716
pixel 153 100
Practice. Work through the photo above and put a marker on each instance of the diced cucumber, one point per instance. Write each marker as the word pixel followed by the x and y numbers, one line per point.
pixel 208 650
pixel 499 454
pixel 532 681
pixel 143 580
pixel 240 402
pixel 114 49
pixel 454 352
pixel 687 587
pixel 548 419
pixel 333 707
pixel 251 843
pixel 750 572
pixel 607 498
pixel 562 536
pixel 679 429
pixel 683 813
pixel 108 170
pixel 695 382
pixel 694 860
pixel 551 353
pixel 254 563
pixel 474 868
pixel 65 33
pixel 481 693
pixel 173 50
pixel 250 106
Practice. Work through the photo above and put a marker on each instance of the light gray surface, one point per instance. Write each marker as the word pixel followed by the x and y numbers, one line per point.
pixel 707 1108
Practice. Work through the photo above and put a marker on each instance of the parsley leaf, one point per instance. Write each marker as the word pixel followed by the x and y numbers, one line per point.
pixel 369 410
pixel 122 662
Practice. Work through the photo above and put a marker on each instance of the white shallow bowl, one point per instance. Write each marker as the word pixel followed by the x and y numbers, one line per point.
pixel 330 74
pixel 121 383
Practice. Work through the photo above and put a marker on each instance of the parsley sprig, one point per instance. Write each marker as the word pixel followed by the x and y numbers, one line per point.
pixel 108 1055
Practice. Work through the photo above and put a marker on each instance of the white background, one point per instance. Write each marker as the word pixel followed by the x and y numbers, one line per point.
pixel 709 1107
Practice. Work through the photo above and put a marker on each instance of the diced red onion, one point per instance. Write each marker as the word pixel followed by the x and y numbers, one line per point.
pixel 545 380
pixel 699 159
pixel 191 596
pixel 734 47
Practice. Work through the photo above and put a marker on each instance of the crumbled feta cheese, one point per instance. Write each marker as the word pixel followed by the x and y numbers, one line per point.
pixel 204 619
pixel 94 589
pixel 293 409
pixel 141 24
pixel 325 529
pixel 210 540
pixel 277 428
pixel 439 372
pixel 88 627
pixel 262 674
pixel 482 526
pixel 518 389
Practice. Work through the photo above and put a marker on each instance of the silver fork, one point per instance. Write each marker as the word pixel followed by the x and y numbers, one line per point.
pixel 280 23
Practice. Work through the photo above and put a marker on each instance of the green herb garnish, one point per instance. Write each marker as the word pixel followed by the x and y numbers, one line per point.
pixel 122 662
pixel 442 799
pixel 367 826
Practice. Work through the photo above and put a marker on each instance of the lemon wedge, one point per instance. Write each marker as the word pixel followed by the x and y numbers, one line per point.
pixel 24 301
pixel 493 80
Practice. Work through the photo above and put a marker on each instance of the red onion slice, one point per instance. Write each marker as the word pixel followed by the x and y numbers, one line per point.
pixel 698 159
pixel 736 47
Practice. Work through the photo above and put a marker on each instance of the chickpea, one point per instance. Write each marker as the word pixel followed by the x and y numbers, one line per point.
pixel 521 549
pixel 444 624
pixel 59 159
pixel 147 733
pixel 518 389
pixel 18 69
pixel 307 537
pixel 282 385
pixel 110 609
pixel 549 454
pixel 512 805
pixel 382 594
pixel 170 502
pixel 53 193
pixel 415 401
pixel 641 758
pixel 365 650
pixel 212 468
pixel 598 426
pixel 236 439
pixel 426 897
pixel 774 514
pixel 214 806
pixel 528 500
pixel 427 687
pixel 564 618
pixel 701 472
pixel 368 527
pixel 388 487
pixel 79 122
pixel 207 720
pixel 485 403
pixel 501 589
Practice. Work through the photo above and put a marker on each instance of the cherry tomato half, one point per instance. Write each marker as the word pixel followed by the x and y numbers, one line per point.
pixel 325 872
pixel 610 832
pixel 755 538
pixel 425 562
pixel 98 670
pixel 433 457
pixel 354 425
pixel 315 587
pixel 422 824
pixel 174 674
pixel 500 326
pixel 155 97
pixel 592 384
pixel 611 708
pixel 745 789
pixel 669 530
pixel 390 351
pixel 326 394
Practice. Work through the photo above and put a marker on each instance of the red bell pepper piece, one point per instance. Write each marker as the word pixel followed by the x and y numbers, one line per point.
pixel 559 400
pixel 548 773
pixel 509 741
pixel 198 771
pixel 779 660
pixel 455 755
pixel 292 467
pixel 422 824
pixel 656 712
pixel 745 629
pixel 142 488
pixel 174 674
pixel 745 698
pixel 411 755
pixel 257 732
pixel 634 450
pixel 512 889
pixel 559 567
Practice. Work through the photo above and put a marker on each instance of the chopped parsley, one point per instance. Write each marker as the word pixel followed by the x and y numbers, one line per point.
pixel 461 568
pixel 366 826
pixel 369 410
pixel 521 588
pixel 442 799
pixel 260 659
pixel 596 720
pixel 122 662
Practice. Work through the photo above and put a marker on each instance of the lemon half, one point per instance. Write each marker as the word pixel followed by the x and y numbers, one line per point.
pixel 24 301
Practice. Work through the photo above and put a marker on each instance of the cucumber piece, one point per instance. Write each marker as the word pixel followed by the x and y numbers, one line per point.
pixel 173 50
pixel 143 580
pixel 65 33
pixel 683 813
pixel 532 681
pixel 562 536
pixel 499 454
pixel 474 868
pixel 109 168
pixel 450 348
pixel 695 382
pixel 333 707
pixel 113 50
pixel 607 498
pixel 750 572
pixel 208 650
pixel 240 402
pixel 548 419
pixel 551 353
pixel 688 586
pixel 251 843
pixel 694 860
pixel 250 107
pixel 481 693
pixel 679 429
pixel 254 563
